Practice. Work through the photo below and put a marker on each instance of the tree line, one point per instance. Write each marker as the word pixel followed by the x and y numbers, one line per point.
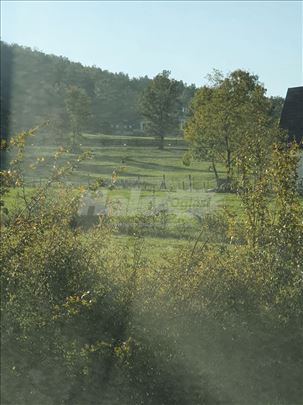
pixel 217 120
pixel 42 86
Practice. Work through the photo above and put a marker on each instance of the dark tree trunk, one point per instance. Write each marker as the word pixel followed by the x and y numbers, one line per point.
pixel 228 158
pixel 228 165
pixel 161 142
pixel 215 171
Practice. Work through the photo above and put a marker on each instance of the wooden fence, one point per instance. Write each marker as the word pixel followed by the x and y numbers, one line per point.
pixel 146 183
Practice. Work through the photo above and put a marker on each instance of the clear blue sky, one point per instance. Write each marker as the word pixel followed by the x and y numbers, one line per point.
pixel 188 38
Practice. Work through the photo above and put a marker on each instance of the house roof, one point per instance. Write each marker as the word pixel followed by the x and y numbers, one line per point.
pixel 292 114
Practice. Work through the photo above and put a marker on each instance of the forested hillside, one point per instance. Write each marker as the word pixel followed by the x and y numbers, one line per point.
pixel 40 84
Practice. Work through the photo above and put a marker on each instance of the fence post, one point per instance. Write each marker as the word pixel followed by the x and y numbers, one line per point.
pixel 163 183
pixel 190 182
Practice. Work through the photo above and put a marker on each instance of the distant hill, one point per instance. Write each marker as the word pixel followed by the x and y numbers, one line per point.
pixel 36 85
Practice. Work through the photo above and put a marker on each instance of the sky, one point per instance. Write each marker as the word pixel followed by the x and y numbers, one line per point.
pixel 189 38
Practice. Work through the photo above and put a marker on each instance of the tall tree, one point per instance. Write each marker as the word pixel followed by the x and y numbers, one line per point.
pixel 225 115
pixel 160 106
pixel 78 109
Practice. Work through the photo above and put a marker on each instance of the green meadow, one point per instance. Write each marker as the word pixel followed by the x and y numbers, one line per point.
pixel 148 181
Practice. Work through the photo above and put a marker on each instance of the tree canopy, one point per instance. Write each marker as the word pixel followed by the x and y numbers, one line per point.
pixel 226 115
pixel 78 109
pixel 161 106
pixel 39 83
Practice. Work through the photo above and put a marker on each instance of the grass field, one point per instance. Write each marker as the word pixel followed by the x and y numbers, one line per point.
pixel 137 158
pixel 137 193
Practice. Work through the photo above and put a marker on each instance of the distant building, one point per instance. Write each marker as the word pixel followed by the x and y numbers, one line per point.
pixel 292 121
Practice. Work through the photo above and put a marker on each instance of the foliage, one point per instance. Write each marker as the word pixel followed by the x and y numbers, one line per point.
pixel 227 115
pixel 160 105
pixel 254 285
pixel 78 109
pixel 276 107
pixel 36 92
pixel 86 320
